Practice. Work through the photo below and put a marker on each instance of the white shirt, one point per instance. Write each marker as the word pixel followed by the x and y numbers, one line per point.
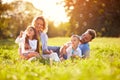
pixel 70 52
pixel 32 43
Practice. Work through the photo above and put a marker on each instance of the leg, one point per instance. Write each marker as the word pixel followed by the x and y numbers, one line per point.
pixel 54 49
pixel 54 57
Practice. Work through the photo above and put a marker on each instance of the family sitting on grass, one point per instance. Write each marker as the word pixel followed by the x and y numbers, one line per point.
pixel 35 35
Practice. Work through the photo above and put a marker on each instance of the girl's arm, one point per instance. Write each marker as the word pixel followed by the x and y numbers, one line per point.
pixel 20 38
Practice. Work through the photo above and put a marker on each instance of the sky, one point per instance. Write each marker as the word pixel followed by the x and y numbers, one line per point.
pixel 52 9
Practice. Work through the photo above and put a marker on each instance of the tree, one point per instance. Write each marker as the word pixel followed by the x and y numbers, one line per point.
pixel 4 22
pixel 22 15
pixel 18 18
pixel 101 15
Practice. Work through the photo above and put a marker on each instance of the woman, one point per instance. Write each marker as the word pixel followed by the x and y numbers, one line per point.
pixel 41 27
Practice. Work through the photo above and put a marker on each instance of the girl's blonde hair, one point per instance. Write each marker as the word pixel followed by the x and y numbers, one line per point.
pixel 45 29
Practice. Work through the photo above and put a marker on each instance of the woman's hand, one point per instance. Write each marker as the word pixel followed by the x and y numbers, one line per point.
pixel 47 51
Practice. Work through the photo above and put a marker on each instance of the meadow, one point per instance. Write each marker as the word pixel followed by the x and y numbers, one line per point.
pixel 103 64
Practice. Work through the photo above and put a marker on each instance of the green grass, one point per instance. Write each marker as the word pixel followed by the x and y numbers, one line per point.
pixel 103 64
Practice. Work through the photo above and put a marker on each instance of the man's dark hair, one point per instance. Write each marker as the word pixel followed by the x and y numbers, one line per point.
pixel 92 33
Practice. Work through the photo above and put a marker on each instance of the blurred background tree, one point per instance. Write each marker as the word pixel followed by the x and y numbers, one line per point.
pixel 4 20
pixel 22 15
pixel 101 15
pixel 61 30
pixel 16 16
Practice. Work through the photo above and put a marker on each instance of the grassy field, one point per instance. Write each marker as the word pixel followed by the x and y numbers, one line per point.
pixel 103 64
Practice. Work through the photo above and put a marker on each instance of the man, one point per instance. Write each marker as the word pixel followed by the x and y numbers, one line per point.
pixel 85 38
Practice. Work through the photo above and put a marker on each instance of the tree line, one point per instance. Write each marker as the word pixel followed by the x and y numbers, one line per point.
pixel 101 15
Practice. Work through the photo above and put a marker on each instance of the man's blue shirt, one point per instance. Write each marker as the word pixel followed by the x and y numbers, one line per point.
pixel 85 49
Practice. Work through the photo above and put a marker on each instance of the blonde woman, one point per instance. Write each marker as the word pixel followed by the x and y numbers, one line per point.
pixel 41 27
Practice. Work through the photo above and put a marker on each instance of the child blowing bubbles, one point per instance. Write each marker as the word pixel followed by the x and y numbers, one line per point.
pixel 73 50
pixel 28 43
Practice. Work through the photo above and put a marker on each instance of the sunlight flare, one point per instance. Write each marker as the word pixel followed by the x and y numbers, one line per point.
pixel 52 10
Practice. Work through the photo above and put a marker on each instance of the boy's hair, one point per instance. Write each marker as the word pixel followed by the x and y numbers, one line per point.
pixel 75 36
pixel 92 33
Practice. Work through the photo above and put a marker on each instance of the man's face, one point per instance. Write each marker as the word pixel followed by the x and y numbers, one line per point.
pixel 86 37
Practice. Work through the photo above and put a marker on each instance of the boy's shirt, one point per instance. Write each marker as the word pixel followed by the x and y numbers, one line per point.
pixel 70 52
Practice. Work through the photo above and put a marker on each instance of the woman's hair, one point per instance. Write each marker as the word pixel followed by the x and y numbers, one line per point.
pixel 44 22
pixel 34 37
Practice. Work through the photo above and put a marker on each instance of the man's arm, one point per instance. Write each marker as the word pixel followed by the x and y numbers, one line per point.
pixel 64 47
pixel 86 54
pixel 85 50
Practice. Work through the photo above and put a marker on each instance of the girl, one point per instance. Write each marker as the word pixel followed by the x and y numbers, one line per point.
pixel 28 43
pixel 72 49
pixel 41 27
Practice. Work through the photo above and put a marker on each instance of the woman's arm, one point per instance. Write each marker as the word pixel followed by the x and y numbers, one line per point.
pixel 44 39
